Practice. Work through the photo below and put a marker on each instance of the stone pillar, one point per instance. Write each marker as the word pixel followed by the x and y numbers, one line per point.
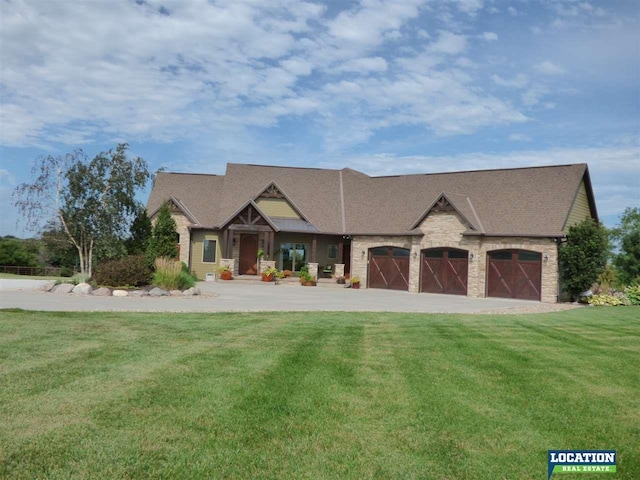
pixel 313 270
pixel 339 270
pixel 264 264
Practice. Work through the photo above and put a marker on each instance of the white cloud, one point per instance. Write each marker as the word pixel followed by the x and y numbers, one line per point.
pixel 489 36
pixel 366 24
pixel 364 65
pixel 549 68
pixel 448 43
pixel 512 11
pixel 519 81
pixel 519 137
pixel 469 6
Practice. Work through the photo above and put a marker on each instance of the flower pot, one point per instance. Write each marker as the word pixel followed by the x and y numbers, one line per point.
pixel 267 278
pixel 226 275
pixel 355 285
pixel 310 283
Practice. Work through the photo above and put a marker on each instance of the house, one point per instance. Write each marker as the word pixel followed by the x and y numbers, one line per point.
pixel 477 233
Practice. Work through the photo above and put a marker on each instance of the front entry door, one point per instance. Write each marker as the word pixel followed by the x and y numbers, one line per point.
pixel 248 255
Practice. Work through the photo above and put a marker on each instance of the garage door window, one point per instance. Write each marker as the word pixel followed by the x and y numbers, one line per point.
pixel 524 256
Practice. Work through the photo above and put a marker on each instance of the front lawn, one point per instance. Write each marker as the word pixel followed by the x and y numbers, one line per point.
pixel 315 395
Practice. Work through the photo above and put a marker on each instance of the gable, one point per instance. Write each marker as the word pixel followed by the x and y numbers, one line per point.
pixel 277 207
pixel 445 223
pixel 580 209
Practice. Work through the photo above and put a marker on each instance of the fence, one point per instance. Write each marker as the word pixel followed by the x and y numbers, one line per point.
pixel 32 271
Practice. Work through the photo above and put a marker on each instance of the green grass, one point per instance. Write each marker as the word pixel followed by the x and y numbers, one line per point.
pixel 315 395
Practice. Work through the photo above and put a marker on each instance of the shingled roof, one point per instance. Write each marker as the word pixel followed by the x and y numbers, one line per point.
pixel 508 202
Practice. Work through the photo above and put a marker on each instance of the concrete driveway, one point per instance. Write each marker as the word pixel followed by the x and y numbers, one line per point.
pixel 253 297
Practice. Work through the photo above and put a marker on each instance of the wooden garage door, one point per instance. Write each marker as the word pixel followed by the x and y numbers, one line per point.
pixel 389 268
pixel 444 270
pixel 514 274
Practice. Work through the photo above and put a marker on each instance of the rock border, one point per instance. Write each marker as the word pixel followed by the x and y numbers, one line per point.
pixel 85 289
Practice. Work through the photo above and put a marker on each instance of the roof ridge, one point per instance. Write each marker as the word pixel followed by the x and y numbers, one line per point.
pixel 481 170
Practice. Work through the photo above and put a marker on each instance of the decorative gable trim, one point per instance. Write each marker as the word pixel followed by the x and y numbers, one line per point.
pixel 251 216
pixel 176 206
pixel 445 203
pixel 272 190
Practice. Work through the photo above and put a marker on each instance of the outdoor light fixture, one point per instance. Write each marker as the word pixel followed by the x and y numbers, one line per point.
pixel 545 257
pixel 471 256
pixel 363 252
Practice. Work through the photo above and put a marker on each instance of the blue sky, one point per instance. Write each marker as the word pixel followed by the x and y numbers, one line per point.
pixel 384 87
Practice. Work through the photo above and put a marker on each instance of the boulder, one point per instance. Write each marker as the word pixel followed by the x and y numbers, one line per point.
pixel 120 293
pixel 101 292
pixel 158 292
pixel 82 289
pixel 176 293
pixel 63 288
pixel 47 287
pixel 191 291
pixel 139 293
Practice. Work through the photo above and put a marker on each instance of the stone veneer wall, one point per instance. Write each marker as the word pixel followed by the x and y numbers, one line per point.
pixel 444 229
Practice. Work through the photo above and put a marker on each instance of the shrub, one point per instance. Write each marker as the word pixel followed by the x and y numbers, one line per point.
pixel 79 278
pixel 583 256
pixel 66 271
pixel 633 294
pixel 164 236
pixel 170 275
pixel 129 271
pixel 606 300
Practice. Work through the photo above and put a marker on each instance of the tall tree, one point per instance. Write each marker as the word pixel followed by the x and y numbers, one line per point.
pixel 164 238
pixel 18 252
pixel 583 256
pixel 626 238
pixel 94 201
pixel 141 230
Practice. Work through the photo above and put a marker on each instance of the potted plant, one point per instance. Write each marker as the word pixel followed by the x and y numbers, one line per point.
pixel 307 280
pixel 224 273
pixel 341 280
pixel 269 274
pixel 355 282
pixel 287 273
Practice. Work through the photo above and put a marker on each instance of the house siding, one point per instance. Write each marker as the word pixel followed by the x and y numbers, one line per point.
pixel 277 207
pixel 580 209
pixel 197 266
pixel 445 229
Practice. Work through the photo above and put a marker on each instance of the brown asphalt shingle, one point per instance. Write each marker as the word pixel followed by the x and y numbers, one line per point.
pixel 522 201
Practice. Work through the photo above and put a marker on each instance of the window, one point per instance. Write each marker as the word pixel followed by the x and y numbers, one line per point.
pixel 209 251
pixel 501 255
pixel 293 256
pixel 332 252
pixel 454 253
pixel 525 256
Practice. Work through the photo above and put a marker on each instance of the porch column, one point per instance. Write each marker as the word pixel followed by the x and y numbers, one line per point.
pixel 225 241
pixel 340 247
pixel 314 241
pixel 272 242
